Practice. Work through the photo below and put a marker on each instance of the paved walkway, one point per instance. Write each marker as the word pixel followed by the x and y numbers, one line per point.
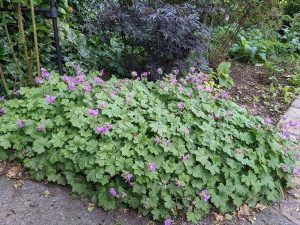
pixel 37 203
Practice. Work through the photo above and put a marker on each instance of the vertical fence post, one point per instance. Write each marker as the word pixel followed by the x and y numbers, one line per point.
pixel 53 15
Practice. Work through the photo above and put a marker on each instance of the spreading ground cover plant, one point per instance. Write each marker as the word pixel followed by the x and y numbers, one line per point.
pixel 174 147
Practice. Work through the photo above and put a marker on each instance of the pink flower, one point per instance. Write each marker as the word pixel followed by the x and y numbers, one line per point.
pixel 93 112
pixel 103 104
pixel 134 74
pixel 186 130
pixel 109 126
pixel 38 80
pixel 45 74
pixel 268 121
pixel 101 130
pixel 293 123
pixel 205 195
pixel 180 89
pixel 87 87
pixel 157 140
pixel 71 86
pixel 184 157
pixel 168 221
pixel 41 127
pixel 21 123
pixel 208 89
pixel 66 78
pixel 98 80
pixel 295 171
pixel 50 99
pixel 160 71
pixel 129 177
pixel 151 167
pixel 113 192
pixel 180 105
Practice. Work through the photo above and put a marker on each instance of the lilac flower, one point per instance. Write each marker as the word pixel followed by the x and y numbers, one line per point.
pixel 17 93
pixel 160 71
pixel 173 81
pixel 21 123
pixel 128 99
pixel 186 130
pixel 103 104
pixel 176 71
pixel 112 93
pixel 268 121
pixel 199 87
pixel 157 140
pixel 208 89
pixel 286 151
pixel 38 80
pixel 101 130
pixel 66 78
pixel 78 69
pixel 1 98
pixel 190 93
pixel 229 113
pixel 145 74
pixel 113 192
pixel 2 111
pixel 180 89
pixel 294 123
pixel 45 74
pixel 286 133
pixel 71 86
pixel 168 221
pixel 109 126
pixel 192 69
pixel 151 167
pixel 93 112
pixel 284 117
pixel 217 116
pixel 295 171
pixel 50 99
pixel 129 177
pixel 298 155
pixel 184 157
pixel 285 168
pixel 225 95
pixel 167 142
pixel 98 80
pixel 87 87
pixel 41 127
pixel 205 195
pixel 180 105
pixel 161 84
pixel 134 74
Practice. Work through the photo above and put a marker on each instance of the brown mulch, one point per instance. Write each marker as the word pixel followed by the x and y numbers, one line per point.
pixel 252 90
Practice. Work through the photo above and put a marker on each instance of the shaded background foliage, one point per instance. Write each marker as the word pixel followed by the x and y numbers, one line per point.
pixel 195 32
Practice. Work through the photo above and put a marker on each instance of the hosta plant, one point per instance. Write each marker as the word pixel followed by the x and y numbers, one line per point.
pixel 170 148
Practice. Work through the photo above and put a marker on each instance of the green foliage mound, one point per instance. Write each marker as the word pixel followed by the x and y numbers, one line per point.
pixel 169 148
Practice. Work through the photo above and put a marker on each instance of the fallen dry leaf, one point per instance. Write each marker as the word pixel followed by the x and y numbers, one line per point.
pixel 228 217
pixel 46 193
pixel 14 171
pixel 260 206
pixel 18 184
pixel 219 218
pixel 244 212
pixel 91 206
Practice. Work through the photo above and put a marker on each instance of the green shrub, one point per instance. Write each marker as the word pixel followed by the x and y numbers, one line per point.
pixel 167 148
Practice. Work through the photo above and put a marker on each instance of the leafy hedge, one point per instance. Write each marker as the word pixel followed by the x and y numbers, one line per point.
pixel 166 148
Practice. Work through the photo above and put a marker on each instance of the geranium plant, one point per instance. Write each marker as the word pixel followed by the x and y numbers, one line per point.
pixel 169 148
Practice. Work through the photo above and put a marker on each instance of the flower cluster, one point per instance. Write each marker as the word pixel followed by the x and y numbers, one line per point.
pixel 104 129
pixel 50 99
